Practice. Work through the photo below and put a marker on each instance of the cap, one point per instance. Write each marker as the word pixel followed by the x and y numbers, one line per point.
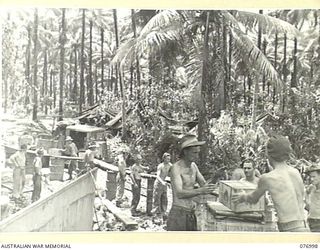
pixel 279 148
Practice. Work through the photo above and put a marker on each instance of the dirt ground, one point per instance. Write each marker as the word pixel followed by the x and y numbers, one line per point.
pixel 106 221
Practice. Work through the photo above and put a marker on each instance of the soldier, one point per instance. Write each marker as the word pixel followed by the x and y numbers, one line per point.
pixel 18 161
pixel 121 176
pixel 313 198
pixel 184 175
pixel 285 186
pixel 71 150
pixel 160 200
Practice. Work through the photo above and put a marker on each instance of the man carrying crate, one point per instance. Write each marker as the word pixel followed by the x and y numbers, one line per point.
pixel 285 186
pixel 184 175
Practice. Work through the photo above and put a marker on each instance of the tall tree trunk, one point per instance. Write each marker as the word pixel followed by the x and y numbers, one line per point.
pixel 35 67
pixel 45 79
pixel 294 75
pixel 28 59
pixel 51 87
pixel 96 83
pixel 223 93
pixel 75 76
pixel 134 28
pixel 256 82
pixel 275 65
pixel 203 122
pixel 284 73
pixel 102 61
pixel 124 130
pixel 62 50
pixel 70 83
pixel 81 101
pixel 89 84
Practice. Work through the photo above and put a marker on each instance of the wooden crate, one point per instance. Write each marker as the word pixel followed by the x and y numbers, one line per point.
pixel 54 151
pixel 57 161
pixel 47 143
pixel 228 188
pixel 56 172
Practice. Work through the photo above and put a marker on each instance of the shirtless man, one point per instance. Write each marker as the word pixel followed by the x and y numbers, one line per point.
pixel 285 186
pixel 135 176
pixel 121 176
pixel 249 171
pixel 184 175
pixel 313 198
pixel 160 200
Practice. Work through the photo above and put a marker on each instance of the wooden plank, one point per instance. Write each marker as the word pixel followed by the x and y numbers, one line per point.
pixel 129 223
pixel 50 212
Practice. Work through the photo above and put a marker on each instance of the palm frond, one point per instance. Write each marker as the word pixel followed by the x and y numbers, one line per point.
pixel 148 42
pixel 163 18
pixel 250 19
pixel 247 51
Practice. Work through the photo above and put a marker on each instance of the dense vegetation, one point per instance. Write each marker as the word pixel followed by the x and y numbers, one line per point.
pixel 239 75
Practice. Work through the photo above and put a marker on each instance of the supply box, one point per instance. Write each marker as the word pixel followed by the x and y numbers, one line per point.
pixel 228 188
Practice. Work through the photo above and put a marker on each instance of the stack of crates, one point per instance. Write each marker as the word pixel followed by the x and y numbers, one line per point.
pixel 46 142
pixel 56 165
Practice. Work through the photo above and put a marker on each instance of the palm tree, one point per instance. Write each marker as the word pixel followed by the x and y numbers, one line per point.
pixel 62 54
pixel 35 66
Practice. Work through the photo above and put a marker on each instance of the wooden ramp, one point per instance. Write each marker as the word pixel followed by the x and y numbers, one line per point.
pixel 68 209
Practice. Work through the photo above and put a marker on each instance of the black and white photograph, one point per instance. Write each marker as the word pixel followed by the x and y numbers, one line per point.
pixel 160 120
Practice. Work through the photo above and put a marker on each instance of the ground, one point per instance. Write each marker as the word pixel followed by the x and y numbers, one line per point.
pixel 105 221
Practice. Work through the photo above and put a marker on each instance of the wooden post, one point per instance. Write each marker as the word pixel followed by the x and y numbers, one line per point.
pixel 150 184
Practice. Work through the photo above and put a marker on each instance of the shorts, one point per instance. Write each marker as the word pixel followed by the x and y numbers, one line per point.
pixel 181 219
pixel 293 226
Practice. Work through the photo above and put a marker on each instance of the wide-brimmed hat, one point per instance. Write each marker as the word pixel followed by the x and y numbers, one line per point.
pixel 190 140
pixel 313 168
pixel 69 138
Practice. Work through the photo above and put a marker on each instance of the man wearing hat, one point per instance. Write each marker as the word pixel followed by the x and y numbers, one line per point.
pixel 89 155
pixel 71 150
pixel 184 175
pixel 313 198
pixel 285 186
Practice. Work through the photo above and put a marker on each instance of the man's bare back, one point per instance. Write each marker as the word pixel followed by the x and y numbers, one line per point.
pixel 286 188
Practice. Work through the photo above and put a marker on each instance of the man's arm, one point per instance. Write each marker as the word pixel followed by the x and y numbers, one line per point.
pixel 200 179
pixel 254 196
pixel 177 185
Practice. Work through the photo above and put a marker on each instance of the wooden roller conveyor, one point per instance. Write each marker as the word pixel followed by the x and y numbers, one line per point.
pixel 220 212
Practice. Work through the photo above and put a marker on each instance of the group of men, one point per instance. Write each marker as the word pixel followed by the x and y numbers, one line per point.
pixel 284 184
pixel 17 162
pixel 160 186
